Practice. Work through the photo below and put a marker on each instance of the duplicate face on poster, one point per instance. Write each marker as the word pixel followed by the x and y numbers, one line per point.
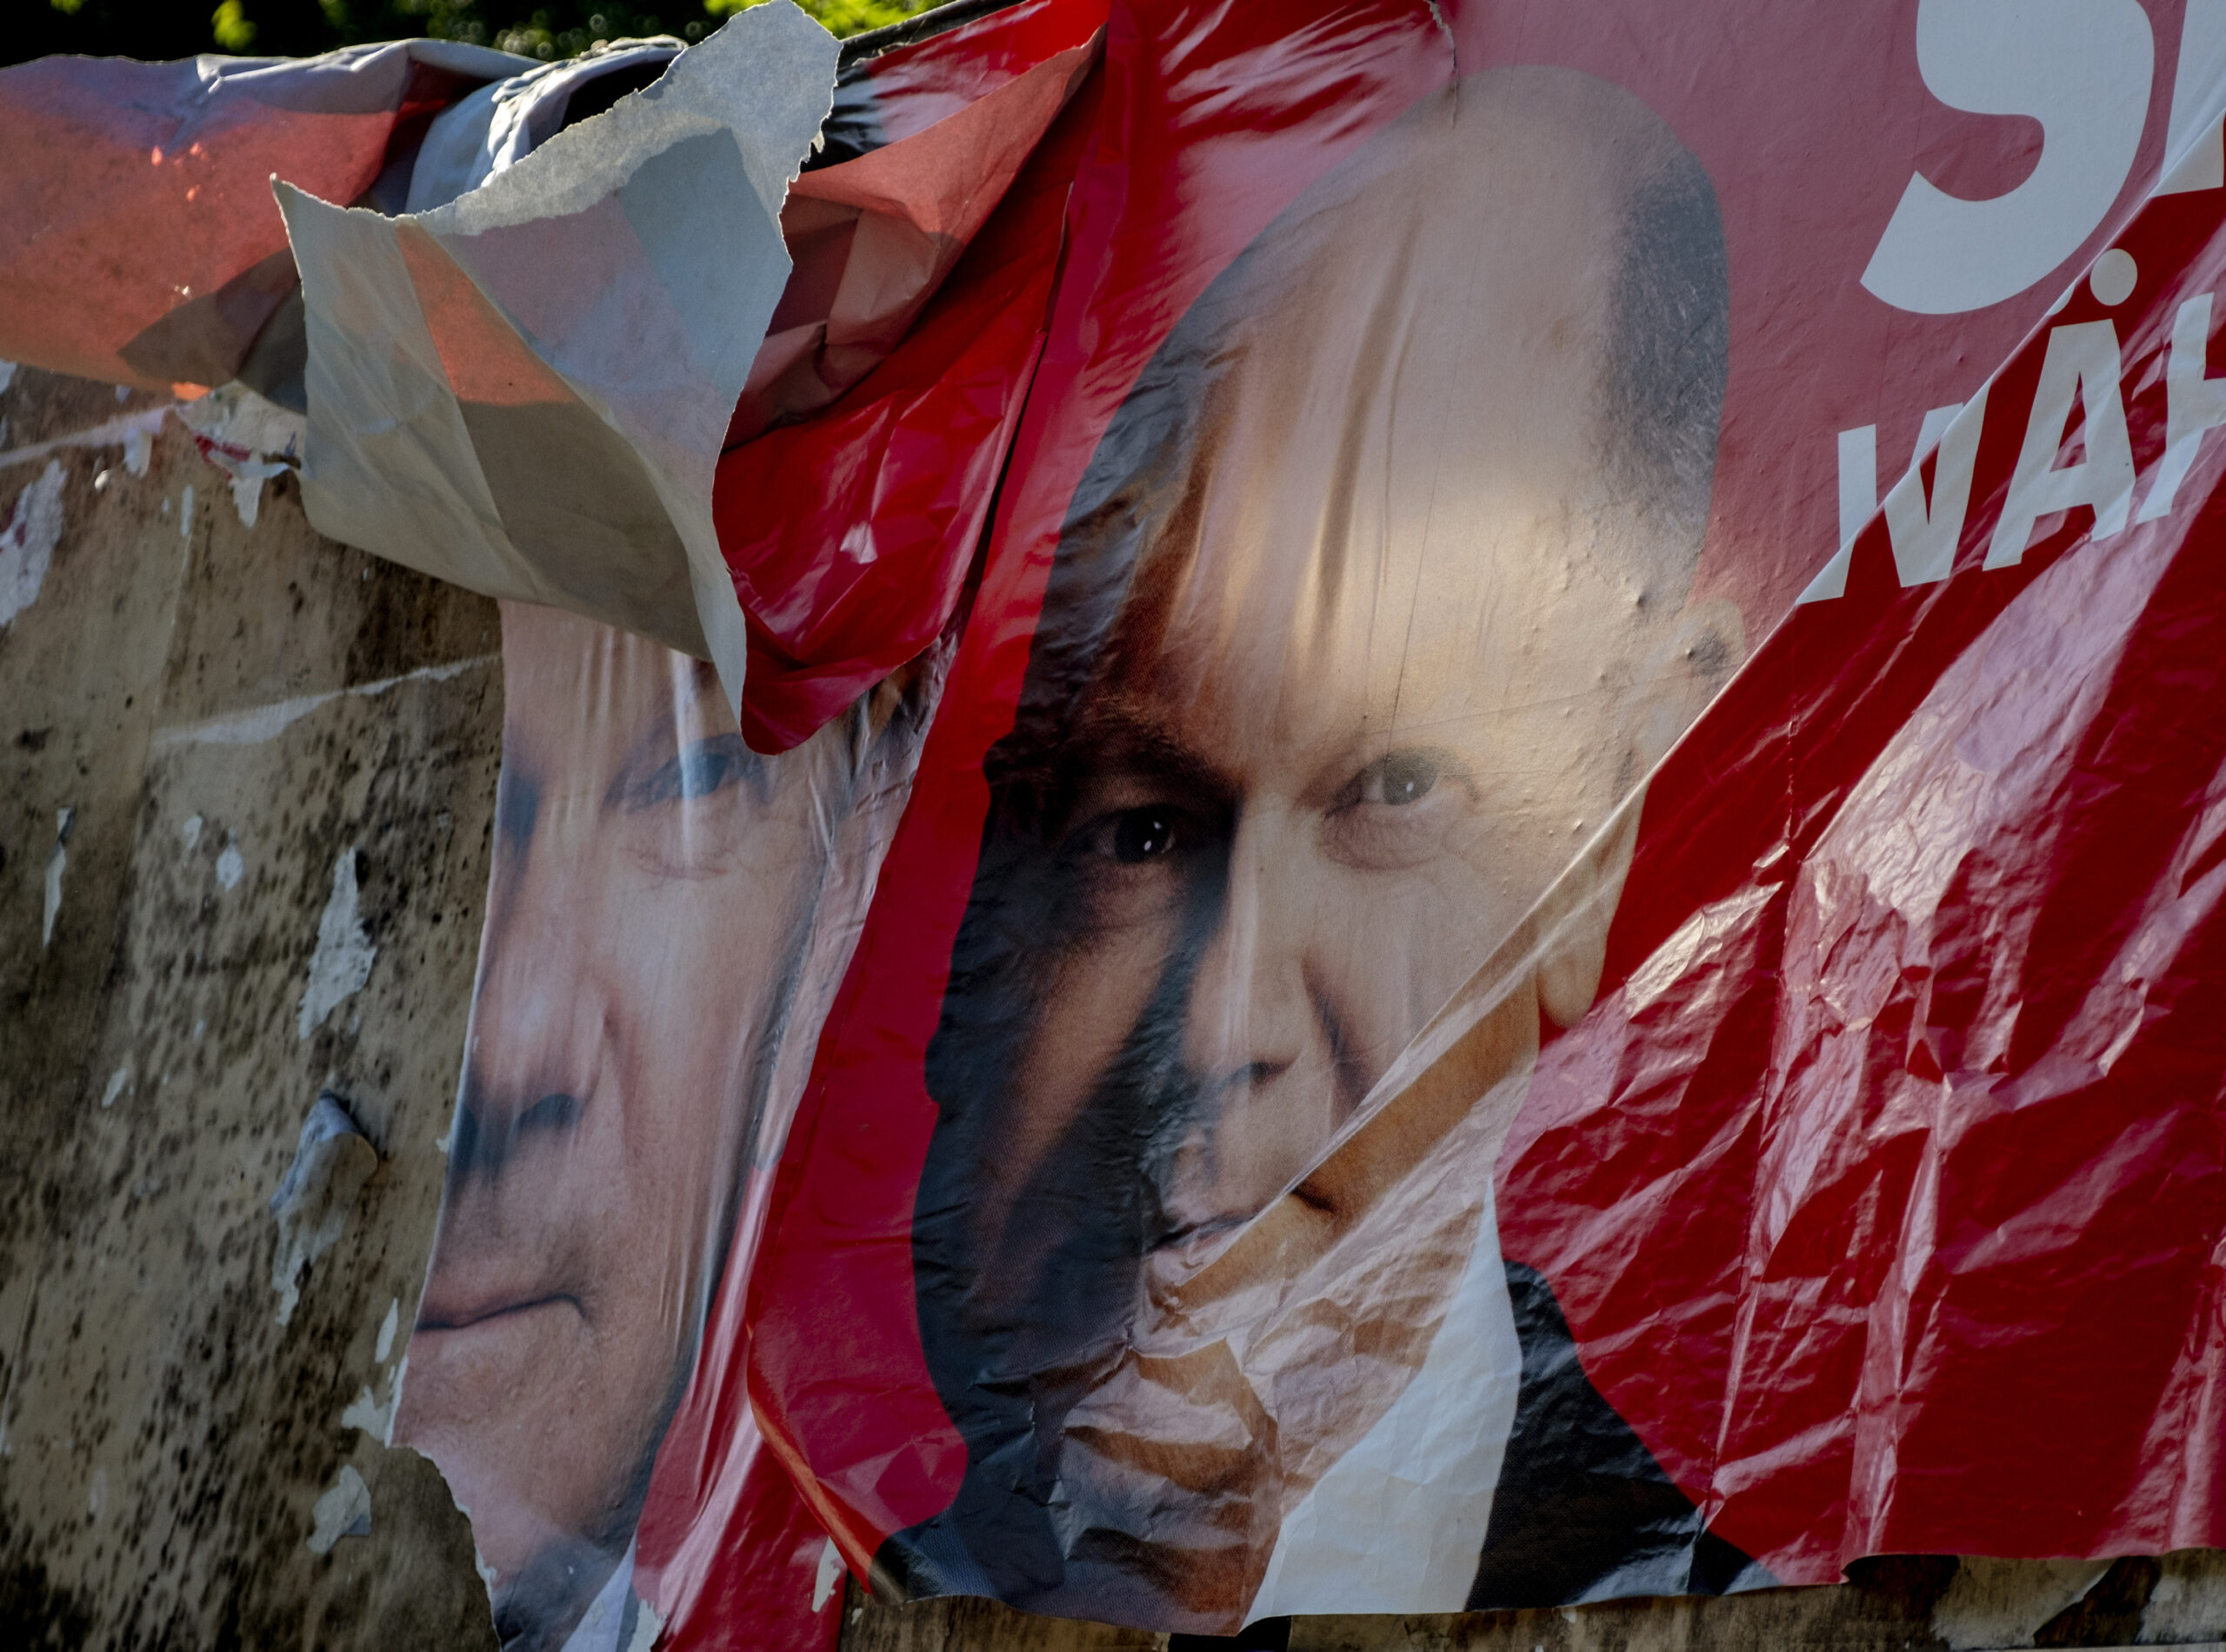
pixel 652 894
pixel 1405 516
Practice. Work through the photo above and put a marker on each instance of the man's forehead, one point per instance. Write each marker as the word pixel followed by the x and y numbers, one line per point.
pixel 581 698
pixel 1396 495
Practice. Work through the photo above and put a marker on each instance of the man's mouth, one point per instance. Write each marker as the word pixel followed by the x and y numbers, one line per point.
pixel 438 1316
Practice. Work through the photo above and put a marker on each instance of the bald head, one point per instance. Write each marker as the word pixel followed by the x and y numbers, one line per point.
pixel 1520 281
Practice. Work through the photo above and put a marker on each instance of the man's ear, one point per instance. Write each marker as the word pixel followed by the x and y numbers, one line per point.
pixel 1575 917
pixel 1695 657
pixel 1698 651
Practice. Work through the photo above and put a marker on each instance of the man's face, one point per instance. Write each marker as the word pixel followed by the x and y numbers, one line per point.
pixel 1410 651
pixel 651 877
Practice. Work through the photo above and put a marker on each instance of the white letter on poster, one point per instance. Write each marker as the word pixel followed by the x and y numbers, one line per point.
pixel 1924 532
pixel 2195 151
pixel 2196 402
pixel 2082 361
pixel 2082 69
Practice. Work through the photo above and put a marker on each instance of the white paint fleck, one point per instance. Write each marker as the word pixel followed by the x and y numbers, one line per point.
pixel 57 858
pixel 117 1081
pixel 122 394
pixel 101 479
pixel 138 449
pixel 366 1413
pixel 28 541
pixel 7 373
pixel 200 1027
pixel 647 1626
pixel 166 507
pixel 96 1504
pixel 830 1575
pixel 185 513
pixel 246 487
pixel 142 425
pixel 388 1326
pixel 342 960
pixel 231 867
pixel 266 722
pixel 192 832
pixel 343 1511
pixel 331 1163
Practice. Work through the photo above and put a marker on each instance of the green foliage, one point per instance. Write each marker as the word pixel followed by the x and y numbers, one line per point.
pixel 233 28
pixel 542 29
pixel 838 17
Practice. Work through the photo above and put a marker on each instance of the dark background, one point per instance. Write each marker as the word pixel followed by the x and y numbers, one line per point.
pixel 543 29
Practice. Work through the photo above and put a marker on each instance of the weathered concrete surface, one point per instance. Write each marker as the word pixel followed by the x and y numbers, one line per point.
pixel 225 716
pixel 1892 1605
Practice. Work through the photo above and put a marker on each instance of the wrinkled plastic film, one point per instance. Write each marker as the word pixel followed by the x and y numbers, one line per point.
pixel 1411 462
pixel 663 903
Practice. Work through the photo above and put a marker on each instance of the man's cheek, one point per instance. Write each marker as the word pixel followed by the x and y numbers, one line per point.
pixel 1097 995
pixel 1400 944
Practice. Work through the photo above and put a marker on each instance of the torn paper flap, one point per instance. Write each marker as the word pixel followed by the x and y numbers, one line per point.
pixel 525 390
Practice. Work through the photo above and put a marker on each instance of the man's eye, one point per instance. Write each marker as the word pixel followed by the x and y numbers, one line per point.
pixel 1402 777
pixel 1135 836
pixel 707 766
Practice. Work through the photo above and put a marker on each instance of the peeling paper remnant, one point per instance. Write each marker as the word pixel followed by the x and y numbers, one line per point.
pixel 366 1413
pixel 247 437
pixel 135 431
pixel 330 1166
pixel 343 1511
pixel 342 960
pixel 830 1575
pixel 56 860
pixel 28 541
pixel 2004 1602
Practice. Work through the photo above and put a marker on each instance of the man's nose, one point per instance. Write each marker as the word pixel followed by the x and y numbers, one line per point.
pixel 1257 1041
pixel 537 1017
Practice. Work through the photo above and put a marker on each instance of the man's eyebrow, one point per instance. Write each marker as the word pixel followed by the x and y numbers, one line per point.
pixel 669 743
pixel 1121 738
pixel 662 736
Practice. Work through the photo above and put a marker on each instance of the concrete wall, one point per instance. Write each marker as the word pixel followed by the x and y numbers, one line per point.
pixel 221 716
pixel 277 760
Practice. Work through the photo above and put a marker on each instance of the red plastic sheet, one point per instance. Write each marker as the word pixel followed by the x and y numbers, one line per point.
pixel 144 246
pixel 1816 1166
pixel 849 533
